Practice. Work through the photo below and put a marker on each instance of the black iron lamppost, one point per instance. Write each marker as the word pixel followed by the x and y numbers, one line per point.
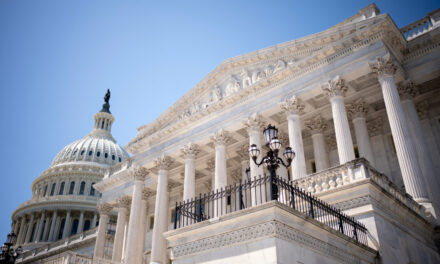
pixel 272 161
pixel 8 254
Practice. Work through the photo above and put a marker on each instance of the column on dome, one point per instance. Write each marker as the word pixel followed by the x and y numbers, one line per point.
pixel 243 153
pixel 158 249
pixel 123 205
pixel 407 91
pixel 52 227
pixel 406 154
pixel 317 126
pixel 358 110
pixel 16 226
pixel 22 230
pixel 29 229
pixel 190 152
pixel 293 108
pixel 139 175
pixel 254 124
pixel 46 230
pixel 146 194
pixel 95 218
pixel 67 225
pixel 104 211
pixel 40 226
pixel 81 222
pixel 335 90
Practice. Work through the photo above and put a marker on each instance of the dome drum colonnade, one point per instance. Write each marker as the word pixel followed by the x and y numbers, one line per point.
pixel 63 197
pixel 384 69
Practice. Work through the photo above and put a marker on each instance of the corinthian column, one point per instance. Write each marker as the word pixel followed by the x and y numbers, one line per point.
pixel 104 210
pixel 123 205
pixel 159 249
pixel 317 126
pixel 131 254
pixel 358 111
pixel 189 184
pixel 335 90
pixel 293 109
pixel 406 154
pixel 146 193
pixel 407 91
pixel 220 139
pixel 254 124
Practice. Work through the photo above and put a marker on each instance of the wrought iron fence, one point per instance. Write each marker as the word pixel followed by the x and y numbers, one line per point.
pixel 259 190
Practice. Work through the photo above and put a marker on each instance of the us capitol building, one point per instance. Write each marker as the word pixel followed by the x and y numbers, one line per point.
pixel 323 149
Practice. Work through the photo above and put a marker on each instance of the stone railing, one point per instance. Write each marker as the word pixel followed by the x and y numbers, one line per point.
pixel 421 26
pixel 350 173
pixel 69 258
pixel 104 261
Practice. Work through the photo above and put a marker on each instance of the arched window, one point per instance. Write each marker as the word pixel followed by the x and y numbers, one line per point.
pixel 105 155
pixel 86 225
pixel 72 186
pixel 74 227
pixel 61 189
pixel 82 187
pixel 52 190
pixel 60 234
pixel 98 154
pixel 90 152
pixel 92 190
pixel 113 157
pixel 45 191
pixel 119 159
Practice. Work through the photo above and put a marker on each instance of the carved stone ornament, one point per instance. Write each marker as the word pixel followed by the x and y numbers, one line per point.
pixel 246 79
pixel 172 185
pixel 243 152
pixel 139 173
pixel 407 90
pixel 104 208
pixel 331 142
pixel 163 162
pixel 423 109
pixel 216 94
pixel 124 202
pixel 147 193
pixel 292 106
pixel 335 87
pixel 255 121
pixel 220 137
pixel 358 108
pixel 316 124
pixel 280 65
pixel 383 66
pixel 232 87
pixel 211 165
pixel 190 150
pixel 375 127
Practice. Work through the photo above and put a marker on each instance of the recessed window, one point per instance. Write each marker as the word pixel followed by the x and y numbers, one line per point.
pixel 82 187
pixel 92 190
pixel 45 190
pixel 98 154
pixel 52 190
pixel 72 187
pixel 74 227
pixel 82 152
pixel 61 189
pixel 113 157
pixel 90 152
pixel 75 151
pixel 86 225
pixel 119 159
pixel 106 155
pixel 63 222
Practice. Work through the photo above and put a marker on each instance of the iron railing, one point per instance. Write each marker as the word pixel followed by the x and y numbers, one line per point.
pixel 251 193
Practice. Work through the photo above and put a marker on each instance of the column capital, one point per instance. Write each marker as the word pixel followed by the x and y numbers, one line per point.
pixel 163 162
pixel 316 124
pixel 104 208
pixel 423 109
pixel 221 137
pixel 375 127
pixel 334 87
pixel 147 193
pixel 407 89
pixel 139 173
pixel 124 202
pixel 243 152
pixel 383 66
pixel 358 108
pixel 254 121
pixel 190 150
pixel 292 106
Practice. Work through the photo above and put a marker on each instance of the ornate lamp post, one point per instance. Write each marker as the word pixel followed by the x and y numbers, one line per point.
pixel 271 160
pixel 8 254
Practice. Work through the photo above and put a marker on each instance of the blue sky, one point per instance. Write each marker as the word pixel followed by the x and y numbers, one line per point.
pixel 57 58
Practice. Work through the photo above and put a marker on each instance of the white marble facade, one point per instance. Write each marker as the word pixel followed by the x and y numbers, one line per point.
pixel 358 103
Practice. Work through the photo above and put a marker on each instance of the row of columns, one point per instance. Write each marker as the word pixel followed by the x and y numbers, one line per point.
pixel 46 228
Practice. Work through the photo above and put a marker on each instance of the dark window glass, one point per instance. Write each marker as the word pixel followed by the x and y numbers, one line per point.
pixel 72 186
pixel 61 188
pixel 113 157
pixel 60 234
pixel 90 153
pixel 92 190
pixel 45 190
pixel 82 187
pixel 120 159
pixel 86 225
pixel 74 227
pixel 98 154
pixel 52 190
pixel 82 152
pixel 42 231
pixel 106 155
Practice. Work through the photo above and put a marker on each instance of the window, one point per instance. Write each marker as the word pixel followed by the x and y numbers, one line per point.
pixel 90 152
pixel 72 187
pixel 61 189
pixel 86 225
pixel 82 152
pixel 313 166
pixel 52 190
pixel 74 227
pixel 151 222
pixel 45 191
pixel 98 154
pixel 106 155
pixel 113 157
pixel 82 187
pixel 60 234
pixel 75 151
pixel 356 152
pixel 119 159
pixel 42 231
pixel 92 190
pixel 102 124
